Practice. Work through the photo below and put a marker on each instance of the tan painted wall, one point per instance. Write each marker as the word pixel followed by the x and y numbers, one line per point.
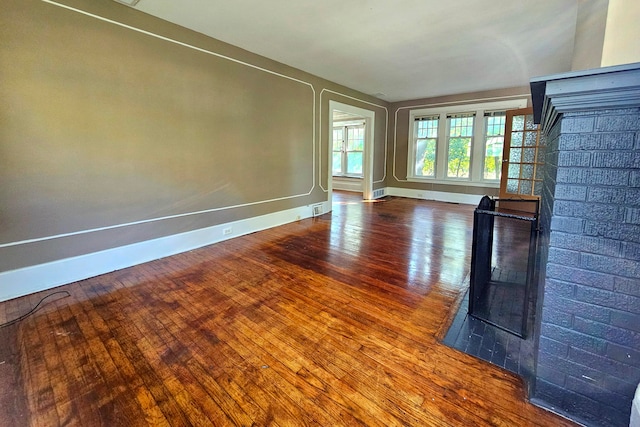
pixel 399 138
pixel 103 126
pixel 607 34
pixel 590 29
pixel 622 35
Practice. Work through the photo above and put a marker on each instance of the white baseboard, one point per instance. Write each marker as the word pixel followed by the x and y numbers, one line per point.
pixel 346 184
pixel 24 281
pixel 441 196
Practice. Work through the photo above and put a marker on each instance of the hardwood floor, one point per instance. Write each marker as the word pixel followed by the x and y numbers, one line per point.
pixel 329 321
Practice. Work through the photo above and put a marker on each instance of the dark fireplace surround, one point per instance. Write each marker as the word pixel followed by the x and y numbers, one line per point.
pixel 587 330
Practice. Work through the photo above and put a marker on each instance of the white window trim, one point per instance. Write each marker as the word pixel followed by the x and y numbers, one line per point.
pixel 369 126
pixel 476 178
pixel 344 124
pixel 414 132
pixel 446 150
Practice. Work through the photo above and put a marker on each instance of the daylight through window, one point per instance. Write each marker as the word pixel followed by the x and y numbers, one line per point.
pixel 425 147
pixel 459 148
pixel 348 147
pixel 458 143
pixel 494 144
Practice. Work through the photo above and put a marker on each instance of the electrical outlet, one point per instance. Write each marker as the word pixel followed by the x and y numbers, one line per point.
pixel 226 231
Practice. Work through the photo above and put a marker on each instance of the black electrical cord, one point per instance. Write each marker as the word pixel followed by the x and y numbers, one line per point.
pixel 33 310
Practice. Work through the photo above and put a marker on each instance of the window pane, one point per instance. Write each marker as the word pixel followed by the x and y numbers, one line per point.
pixel 461 126
pixel 529 155
pixel 515 155
pixel 425 157
pixel 337 163
pixel 427 127
pixel 459 155
pixel 354 163
pixel 527 172
pixel 514 171
pixel 493 158
pixel 518 123
pixel 426 130
pixel 530 139
pixel 459 158
pixel 516 139
pixel 355 138
pixel 337 139
pixel 494 143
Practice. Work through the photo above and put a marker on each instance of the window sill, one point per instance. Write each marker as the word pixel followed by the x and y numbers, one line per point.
pixel 463 182
pixel 347 177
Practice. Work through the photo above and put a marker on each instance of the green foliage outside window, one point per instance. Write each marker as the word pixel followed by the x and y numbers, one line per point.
pixel 494 142
pixel 348 148
pixel 427 133
pixel 459 155
pixel 459 159
pixel 458 139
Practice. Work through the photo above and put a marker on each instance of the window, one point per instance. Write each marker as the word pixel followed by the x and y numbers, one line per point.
pixel 425 148
pixel 458 143
pixel 348 146
pixel 459 147
pixel 494 143
pixel 338 143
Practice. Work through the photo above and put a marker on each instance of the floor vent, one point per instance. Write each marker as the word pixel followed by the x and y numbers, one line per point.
pixel 317 210
pixel 378 193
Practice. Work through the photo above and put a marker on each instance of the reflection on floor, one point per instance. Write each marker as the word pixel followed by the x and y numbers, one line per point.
pixel 489 343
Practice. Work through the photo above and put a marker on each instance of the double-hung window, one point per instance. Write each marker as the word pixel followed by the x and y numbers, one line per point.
pixel 426 140
pixel 460 139
pixel 348 146
pixel 494 144
pixel 458 144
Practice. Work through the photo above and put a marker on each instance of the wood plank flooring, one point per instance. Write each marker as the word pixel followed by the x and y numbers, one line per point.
pixel 329 321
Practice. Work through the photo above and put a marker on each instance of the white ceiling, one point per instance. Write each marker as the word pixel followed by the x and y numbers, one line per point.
pixel 395 50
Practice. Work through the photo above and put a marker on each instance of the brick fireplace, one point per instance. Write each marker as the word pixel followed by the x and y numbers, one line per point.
pixel 588 313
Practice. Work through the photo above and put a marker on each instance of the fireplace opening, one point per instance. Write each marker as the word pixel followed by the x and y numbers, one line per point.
pixel 496 324
pixel 503 263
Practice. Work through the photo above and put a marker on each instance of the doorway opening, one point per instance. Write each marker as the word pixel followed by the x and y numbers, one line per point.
pixel 350 149
pixel 347 151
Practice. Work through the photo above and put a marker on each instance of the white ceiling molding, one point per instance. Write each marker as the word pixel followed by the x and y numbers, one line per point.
pixel 128 2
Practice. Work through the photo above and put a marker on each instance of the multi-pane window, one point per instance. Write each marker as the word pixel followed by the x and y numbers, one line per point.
pixel 458 143
pixel 526 156
pixel 459 147
pixel 348 146
pixel 338 143
pixel 426 138
pixel 494 144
